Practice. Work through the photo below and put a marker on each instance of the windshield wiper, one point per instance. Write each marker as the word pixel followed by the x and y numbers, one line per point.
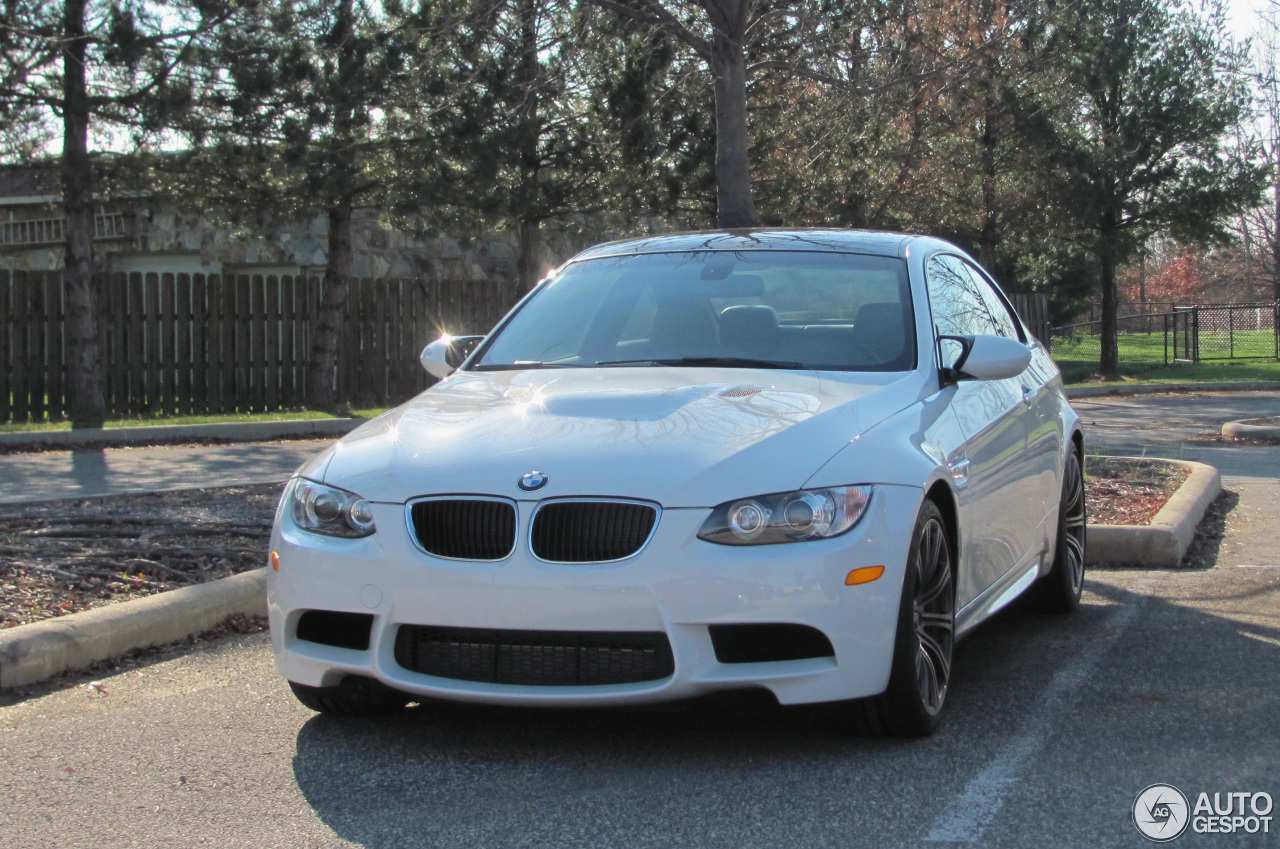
pixel 729 362
pixel 522 366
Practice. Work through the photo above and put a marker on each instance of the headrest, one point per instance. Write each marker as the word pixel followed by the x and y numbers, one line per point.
pixel 748 321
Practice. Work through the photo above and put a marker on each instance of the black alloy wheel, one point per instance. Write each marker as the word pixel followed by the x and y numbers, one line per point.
pixel 912 704
pixel 1059 590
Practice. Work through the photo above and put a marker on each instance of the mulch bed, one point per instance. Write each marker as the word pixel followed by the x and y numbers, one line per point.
pixel 1122 491
pixel 63 557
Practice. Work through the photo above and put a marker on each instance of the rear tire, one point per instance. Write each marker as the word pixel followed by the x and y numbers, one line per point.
pixel 912 704
pixel 354 696
pixel 1059 590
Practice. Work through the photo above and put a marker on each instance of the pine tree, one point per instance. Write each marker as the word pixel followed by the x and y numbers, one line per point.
pixel 1145 149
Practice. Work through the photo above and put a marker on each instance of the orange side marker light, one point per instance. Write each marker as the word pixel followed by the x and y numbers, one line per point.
pixel 275 561
pixel 865 575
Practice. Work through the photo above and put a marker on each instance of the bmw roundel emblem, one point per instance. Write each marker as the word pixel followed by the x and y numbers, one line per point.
pixel 532 481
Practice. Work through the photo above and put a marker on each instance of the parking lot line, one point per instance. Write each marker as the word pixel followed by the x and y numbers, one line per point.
pixel 965 819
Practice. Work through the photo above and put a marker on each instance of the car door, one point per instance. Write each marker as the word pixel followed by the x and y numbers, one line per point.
pixel 1044 449
pixel 996 525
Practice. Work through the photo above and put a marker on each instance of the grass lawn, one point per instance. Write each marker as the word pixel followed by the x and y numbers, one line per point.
pixel 1142 357
pixel 284 415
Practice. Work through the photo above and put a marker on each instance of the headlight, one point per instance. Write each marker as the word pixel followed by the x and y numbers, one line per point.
pixel 329 510
pixel 787 516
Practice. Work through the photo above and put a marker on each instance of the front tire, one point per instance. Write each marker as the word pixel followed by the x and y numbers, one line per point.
pixel 912 704
pixel 1059 590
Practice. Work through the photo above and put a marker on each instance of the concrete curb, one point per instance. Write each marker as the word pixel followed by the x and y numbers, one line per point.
pixel 1104 390
pixel 1243 429
pixel 1165 541
pixel 156 434
pixel 32 653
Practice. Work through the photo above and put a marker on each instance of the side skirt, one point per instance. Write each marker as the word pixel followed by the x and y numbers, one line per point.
pixel 999 595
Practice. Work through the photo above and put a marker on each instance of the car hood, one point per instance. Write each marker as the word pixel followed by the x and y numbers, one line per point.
pixel 681 437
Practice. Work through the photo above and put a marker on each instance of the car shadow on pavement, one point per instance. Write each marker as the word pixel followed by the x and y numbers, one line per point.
pixel 1181 687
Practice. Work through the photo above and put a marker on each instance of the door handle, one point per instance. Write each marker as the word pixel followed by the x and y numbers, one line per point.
pixel 1028 395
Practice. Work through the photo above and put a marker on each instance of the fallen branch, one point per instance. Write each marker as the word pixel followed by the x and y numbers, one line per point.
pixel 79 533
pixel 51 570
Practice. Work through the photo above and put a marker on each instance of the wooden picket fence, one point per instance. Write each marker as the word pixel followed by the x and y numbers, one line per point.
pixel 193 344
pixel 1034 311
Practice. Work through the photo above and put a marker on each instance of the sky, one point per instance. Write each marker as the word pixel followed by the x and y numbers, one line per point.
pixel 1244 15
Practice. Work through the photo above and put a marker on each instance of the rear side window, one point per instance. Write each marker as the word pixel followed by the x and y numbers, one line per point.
pixel 1005 321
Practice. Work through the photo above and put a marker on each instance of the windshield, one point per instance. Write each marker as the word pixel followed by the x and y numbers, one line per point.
pixel 751 309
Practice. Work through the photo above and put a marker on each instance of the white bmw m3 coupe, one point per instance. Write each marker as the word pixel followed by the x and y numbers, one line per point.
pixel 798 461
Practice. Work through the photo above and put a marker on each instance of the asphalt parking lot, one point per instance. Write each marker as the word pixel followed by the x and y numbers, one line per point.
pixel 1055 725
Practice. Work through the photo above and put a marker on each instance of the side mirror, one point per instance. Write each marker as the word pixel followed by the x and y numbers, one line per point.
pixel 982 357
pixel 443 356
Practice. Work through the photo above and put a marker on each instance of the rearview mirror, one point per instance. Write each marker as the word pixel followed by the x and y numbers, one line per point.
pixel 982 357
pixel 443 356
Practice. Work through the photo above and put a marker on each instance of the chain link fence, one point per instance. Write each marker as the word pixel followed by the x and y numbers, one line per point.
pixel 1145 342
pixel 1234 332
pixel 1212 333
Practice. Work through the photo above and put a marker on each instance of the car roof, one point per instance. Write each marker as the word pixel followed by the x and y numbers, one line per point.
pixel 825 241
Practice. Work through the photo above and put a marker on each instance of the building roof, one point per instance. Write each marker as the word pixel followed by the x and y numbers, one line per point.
pixel 29 181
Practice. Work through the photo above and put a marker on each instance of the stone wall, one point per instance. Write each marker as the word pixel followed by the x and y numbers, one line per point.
pixel 158 229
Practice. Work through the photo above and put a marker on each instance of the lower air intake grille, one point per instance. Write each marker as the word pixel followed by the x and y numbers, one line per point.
pixel 543 658
pixel 465 528
pixel 591 531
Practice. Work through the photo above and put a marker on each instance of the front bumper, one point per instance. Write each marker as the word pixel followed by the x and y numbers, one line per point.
pixel 678 585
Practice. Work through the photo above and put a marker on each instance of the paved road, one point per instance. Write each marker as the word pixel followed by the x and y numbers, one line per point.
pixel 1055 724
pixel 81 474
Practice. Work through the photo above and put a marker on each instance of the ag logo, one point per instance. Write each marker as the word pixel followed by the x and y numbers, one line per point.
pixel 532 481
pixel 1161 812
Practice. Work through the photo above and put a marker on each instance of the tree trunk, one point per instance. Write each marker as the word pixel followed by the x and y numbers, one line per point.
pixel 323 367
pixel 528 269
pixel 1109 362
pixel 85 395
pixel 734 204
pixel 530 134
pixel 1275 239
pixel 1251 295
pixel 1142 278
pixel 329 318
pixel 988 237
